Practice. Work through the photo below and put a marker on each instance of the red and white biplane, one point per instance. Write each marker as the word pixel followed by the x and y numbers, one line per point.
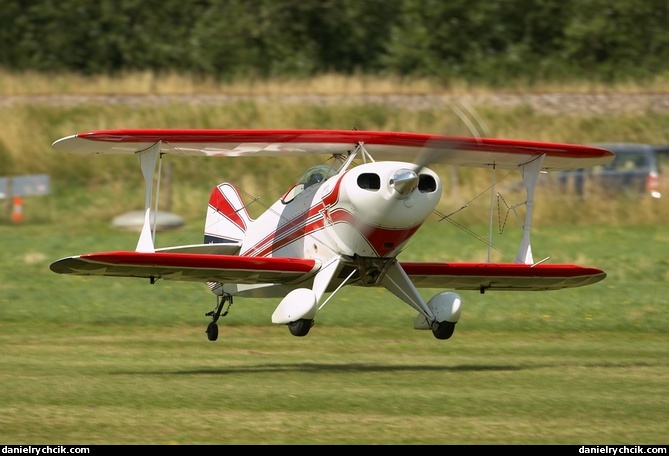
pixel 344 223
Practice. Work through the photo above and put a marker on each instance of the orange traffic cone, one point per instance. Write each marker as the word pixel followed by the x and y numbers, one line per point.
pixel 17 210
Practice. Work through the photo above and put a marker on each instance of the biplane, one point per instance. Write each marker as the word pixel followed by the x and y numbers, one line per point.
pixel 344 222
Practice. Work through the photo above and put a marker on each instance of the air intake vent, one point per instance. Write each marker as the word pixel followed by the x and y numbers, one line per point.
pixel 369 181
pixel 426 183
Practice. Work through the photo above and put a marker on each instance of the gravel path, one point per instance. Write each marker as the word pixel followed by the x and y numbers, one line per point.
pixel 548 103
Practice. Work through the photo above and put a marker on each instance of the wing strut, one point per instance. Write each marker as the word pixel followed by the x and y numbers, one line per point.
pixel 147 161
pixel 360 148
pixel 492 205
pixel 530 172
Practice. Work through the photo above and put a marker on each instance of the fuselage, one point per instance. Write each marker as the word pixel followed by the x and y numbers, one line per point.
pixel 371 210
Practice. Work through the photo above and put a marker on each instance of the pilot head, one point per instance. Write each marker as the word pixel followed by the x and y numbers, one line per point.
pixel 313 179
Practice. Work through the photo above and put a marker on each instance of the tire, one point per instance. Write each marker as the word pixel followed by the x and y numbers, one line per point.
pixel 443 330
pixel 212 331
pixel 300 328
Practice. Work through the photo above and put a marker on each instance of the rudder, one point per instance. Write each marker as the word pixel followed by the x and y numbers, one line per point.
pixel 227 217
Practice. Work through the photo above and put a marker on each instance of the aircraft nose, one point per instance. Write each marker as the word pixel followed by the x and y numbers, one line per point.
pixel 404 181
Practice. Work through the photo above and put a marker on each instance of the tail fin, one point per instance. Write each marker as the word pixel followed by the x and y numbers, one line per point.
pixel 227 217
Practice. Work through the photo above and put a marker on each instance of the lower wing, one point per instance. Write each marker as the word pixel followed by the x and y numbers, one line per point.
pixel 501 276
pixel 194 267
pixel 199 267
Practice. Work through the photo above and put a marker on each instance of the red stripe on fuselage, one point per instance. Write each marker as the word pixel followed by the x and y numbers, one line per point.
pixel 382 240
pixel 293 230
pixel 304 224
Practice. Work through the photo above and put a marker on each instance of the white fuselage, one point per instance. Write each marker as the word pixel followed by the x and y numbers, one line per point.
pixel 371 210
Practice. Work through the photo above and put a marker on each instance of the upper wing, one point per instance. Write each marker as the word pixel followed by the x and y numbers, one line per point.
pixel 501 276
pixel 454 150
pixel 188 267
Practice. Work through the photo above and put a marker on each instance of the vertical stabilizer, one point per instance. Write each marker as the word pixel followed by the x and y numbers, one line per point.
pixel 227 217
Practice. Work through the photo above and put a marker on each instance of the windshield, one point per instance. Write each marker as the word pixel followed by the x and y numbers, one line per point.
pixel 316 174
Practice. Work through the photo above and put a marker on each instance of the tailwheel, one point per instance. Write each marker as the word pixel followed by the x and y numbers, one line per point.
pixel 443 330
pixel 212 328
pixel 212 331
pixel 301 327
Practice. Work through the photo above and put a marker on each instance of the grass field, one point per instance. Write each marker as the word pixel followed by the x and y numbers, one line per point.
pixel 93 361
pixel 120 361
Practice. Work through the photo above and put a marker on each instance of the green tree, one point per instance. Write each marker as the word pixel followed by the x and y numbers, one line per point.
pixel 477 40
pixel 624 39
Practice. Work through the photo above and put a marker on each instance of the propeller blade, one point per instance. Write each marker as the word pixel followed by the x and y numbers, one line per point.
pixel 436 148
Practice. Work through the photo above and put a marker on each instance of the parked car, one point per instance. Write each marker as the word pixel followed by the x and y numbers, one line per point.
pixel 634 171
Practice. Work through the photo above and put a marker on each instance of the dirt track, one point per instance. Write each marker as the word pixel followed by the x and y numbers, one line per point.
pixel 548 103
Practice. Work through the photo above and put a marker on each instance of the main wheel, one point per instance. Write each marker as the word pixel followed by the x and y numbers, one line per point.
pixel 212 331
pixel 301 327
pixel 443 330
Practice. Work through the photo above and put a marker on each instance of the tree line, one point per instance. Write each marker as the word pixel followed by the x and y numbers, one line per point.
pixel 482 41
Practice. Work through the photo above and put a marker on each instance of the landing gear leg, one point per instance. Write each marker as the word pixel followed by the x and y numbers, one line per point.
pixel 212 328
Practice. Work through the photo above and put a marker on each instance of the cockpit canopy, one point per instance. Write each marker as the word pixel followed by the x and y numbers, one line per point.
pixel 316 174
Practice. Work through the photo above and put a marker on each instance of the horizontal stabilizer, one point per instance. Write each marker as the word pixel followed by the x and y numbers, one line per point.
pixel 219 248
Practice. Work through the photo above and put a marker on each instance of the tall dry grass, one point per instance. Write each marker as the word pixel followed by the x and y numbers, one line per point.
pixel 99 188
pixel 34 83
